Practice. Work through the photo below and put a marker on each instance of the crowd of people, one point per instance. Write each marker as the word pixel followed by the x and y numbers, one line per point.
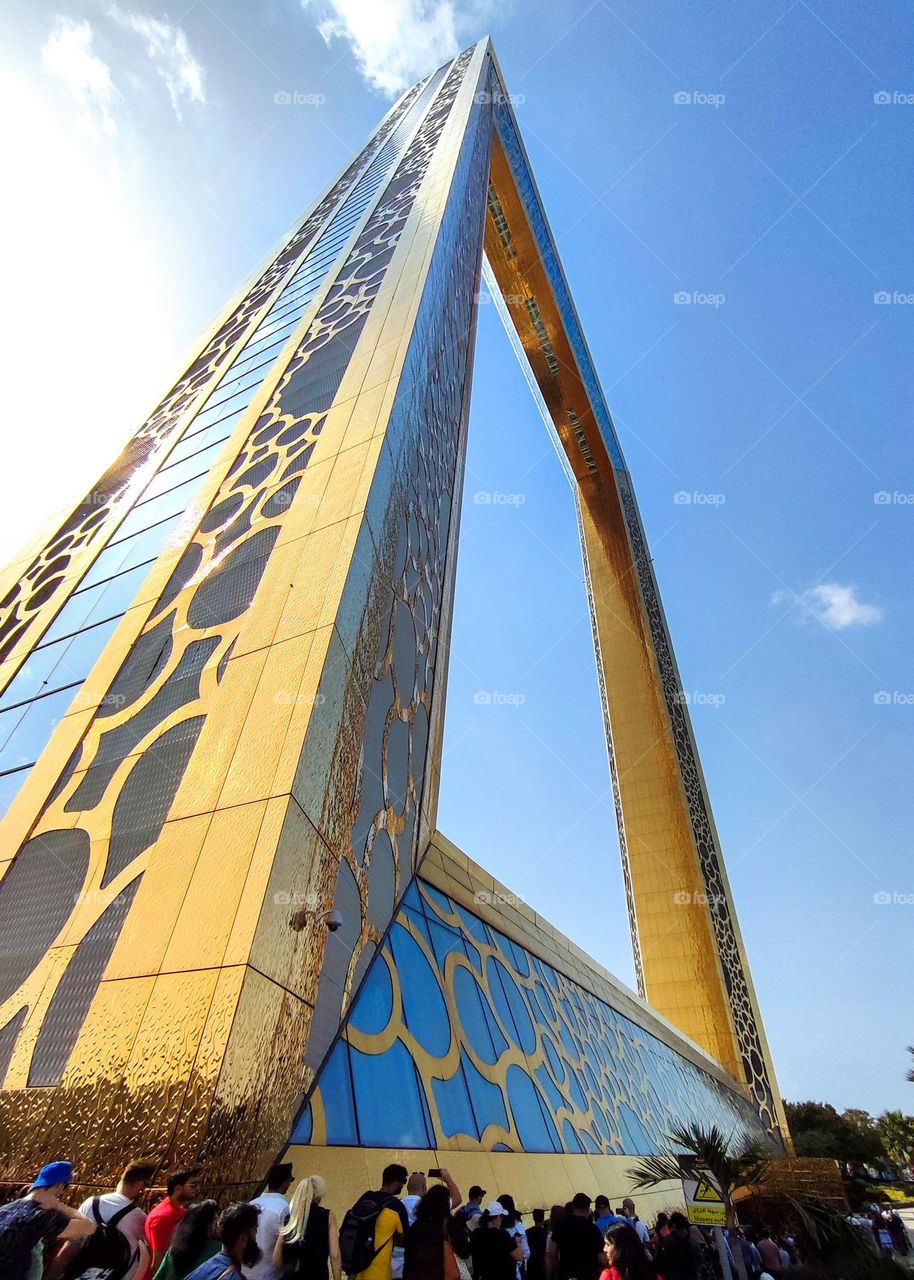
pixel 415 1226
pixel 887 1228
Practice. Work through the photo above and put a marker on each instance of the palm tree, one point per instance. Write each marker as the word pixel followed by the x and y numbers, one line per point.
pixel 705 1151
pixel 909 1075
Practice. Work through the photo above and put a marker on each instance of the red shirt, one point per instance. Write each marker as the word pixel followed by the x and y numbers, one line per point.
pixel 161 1223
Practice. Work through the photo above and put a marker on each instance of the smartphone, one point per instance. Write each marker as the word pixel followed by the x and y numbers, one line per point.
pixel 434 1173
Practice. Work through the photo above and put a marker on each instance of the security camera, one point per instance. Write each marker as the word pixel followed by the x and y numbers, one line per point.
pixel 334 921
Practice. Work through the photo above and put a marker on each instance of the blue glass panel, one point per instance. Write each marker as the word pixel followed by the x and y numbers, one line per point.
pixel 486 1097
pixel 66 662
pixel 178 471
pixel 302 1132
pixel 336 1095
pixel 476 1018
pixel 535 1131
pixel 474 926
pixel 548 1087
pixel 572 1141
pixel 514 955
pixel 9 787
pixel 104 600
pixel 25 731
pixel 389 1098
pixel 590 1144
pixel 552 1057
pixel 444 941
pixel 375 1001
pixel 424 1010
pixel 642 1143
pixel 577 1093
pixel 473 955
pixel 453 1102
pixel 439 899
pixel 510 1005
pixel 547 1008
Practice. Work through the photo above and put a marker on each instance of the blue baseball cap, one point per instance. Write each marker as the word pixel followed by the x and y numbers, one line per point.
pixel 55 1172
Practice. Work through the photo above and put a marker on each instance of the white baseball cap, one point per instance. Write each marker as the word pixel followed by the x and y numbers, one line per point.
pixel 496 1210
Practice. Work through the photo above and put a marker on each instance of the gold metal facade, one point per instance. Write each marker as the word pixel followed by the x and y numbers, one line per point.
pixel 260 739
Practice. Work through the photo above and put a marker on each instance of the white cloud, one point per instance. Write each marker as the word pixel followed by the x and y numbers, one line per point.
pixel 170 54
pixel 67 54
pixel 836 607
pixel 397 42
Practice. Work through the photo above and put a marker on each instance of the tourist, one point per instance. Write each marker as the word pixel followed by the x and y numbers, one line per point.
pixel 495 1253
pixel 628 1209
pixel 473 1205
pixel 119 1209
pixel 661 1230
pixel 371 1228
pixel 38 1218
pixel 536 1243
pixel 237 1230
pixel 180 1190
pixel 556 1215
pixel 678 1256
pixel 193 1243
pixel 310 1240
pixel 770 1253
pixel 603 1216
pixel 577 1244
pixel 434 1238
pixel 416 1187
pixel 626 1257
pixel 516 1228
pixel 752 1259
pixel 274 1214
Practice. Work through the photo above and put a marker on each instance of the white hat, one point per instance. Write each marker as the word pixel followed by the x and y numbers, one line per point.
pixel 496 1210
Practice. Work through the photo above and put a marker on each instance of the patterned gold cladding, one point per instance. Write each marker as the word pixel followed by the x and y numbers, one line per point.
pixel 261 710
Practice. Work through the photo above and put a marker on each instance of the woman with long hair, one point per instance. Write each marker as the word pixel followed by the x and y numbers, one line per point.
pixel 626 1258
pixel 310 1239
pixel 193 1242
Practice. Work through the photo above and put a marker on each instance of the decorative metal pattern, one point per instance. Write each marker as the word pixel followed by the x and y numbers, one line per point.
pixel 718 899
pixel 155 707
pixel 412 538
pixel 47 573
pixel 462 1039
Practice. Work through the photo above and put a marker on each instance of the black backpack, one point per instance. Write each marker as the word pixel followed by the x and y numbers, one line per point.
pixel 357 1231
pixel 106 1255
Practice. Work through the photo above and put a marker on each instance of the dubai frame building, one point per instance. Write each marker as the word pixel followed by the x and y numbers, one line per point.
pixel 223 682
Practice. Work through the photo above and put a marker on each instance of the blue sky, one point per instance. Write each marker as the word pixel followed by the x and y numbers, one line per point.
pixel 155 169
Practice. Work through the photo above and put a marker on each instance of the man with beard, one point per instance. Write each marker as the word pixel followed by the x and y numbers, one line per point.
pixel 237 1230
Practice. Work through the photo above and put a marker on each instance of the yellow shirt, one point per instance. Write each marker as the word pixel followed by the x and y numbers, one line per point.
pixel 388 1225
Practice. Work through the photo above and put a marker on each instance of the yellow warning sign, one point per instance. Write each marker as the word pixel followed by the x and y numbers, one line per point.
pixel 704 1203
pixel 706 1194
